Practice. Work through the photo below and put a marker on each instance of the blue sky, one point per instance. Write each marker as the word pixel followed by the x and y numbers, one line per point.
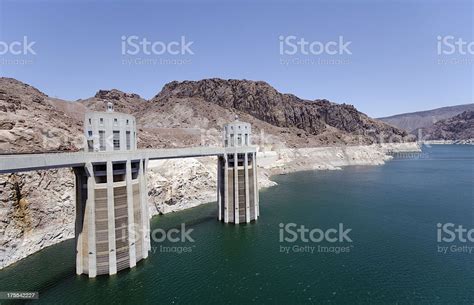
pixel 393 66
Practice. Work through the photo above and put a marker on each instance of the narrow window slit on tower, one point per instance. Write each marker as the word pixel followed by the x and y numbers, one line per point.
pixel 116 140
pixel 128 139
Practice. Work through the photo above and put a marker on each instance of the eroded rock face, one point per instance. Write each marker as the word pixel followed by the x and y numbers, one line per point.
pixel 174 185
pixel 30 123
pixel 283 110
pixel 37 210
pixel 459 127
pixel 123 102
pixel 424 119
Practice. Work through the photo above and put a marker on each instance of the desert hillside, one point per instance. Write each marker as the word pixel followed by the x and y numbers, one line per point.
pixel 31 121
pixel 424 119
pixel 459 127
pixel 188 113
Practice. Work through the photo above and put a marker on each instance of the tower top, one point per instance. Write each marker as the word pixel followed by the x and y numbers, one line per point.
pixel 110 107
pixel 109 130
pixel 237 133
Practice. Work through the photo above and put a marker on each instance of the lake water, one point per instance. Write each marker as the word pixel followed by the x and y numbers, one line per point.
pixel 394 257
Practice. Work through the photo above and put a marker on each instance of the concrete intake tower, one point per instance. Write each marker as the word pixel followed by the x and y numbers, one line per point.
pixel 237 195
pixel 112 219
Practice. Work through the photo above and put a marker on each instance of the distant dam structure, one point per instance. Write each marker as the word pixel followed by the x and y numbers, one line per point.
pixel 112 227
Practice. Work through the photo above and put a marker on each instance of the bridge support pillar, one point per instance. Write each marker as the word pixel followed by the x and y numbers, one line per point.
pixel 237 188
pixel 112 224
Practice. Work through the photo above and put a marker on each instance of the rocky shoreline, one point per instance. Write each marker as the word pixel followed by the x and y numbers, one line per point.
pixel 449 142
pixel 37 209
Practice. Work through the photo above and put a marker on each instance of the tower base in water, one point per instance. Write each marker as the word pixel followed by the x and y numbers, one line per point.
pixel 112 222
pixel 237 195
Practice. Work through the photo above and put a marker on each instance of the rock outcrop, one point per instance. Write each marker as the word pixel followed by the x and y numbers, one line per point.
pixel 457 128
pixel 123 102
pixel 37 210
pixel 175 185
pixel 30 122
pixel 261 101
pixel 413 121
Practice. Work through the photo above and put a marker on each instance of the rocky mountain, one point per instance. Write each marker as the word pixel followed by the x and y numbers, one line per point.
pixel 298 122
pixel 31 121
pixel 459 127
pixel 423 119
pixel 186 113
pixel 123 102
